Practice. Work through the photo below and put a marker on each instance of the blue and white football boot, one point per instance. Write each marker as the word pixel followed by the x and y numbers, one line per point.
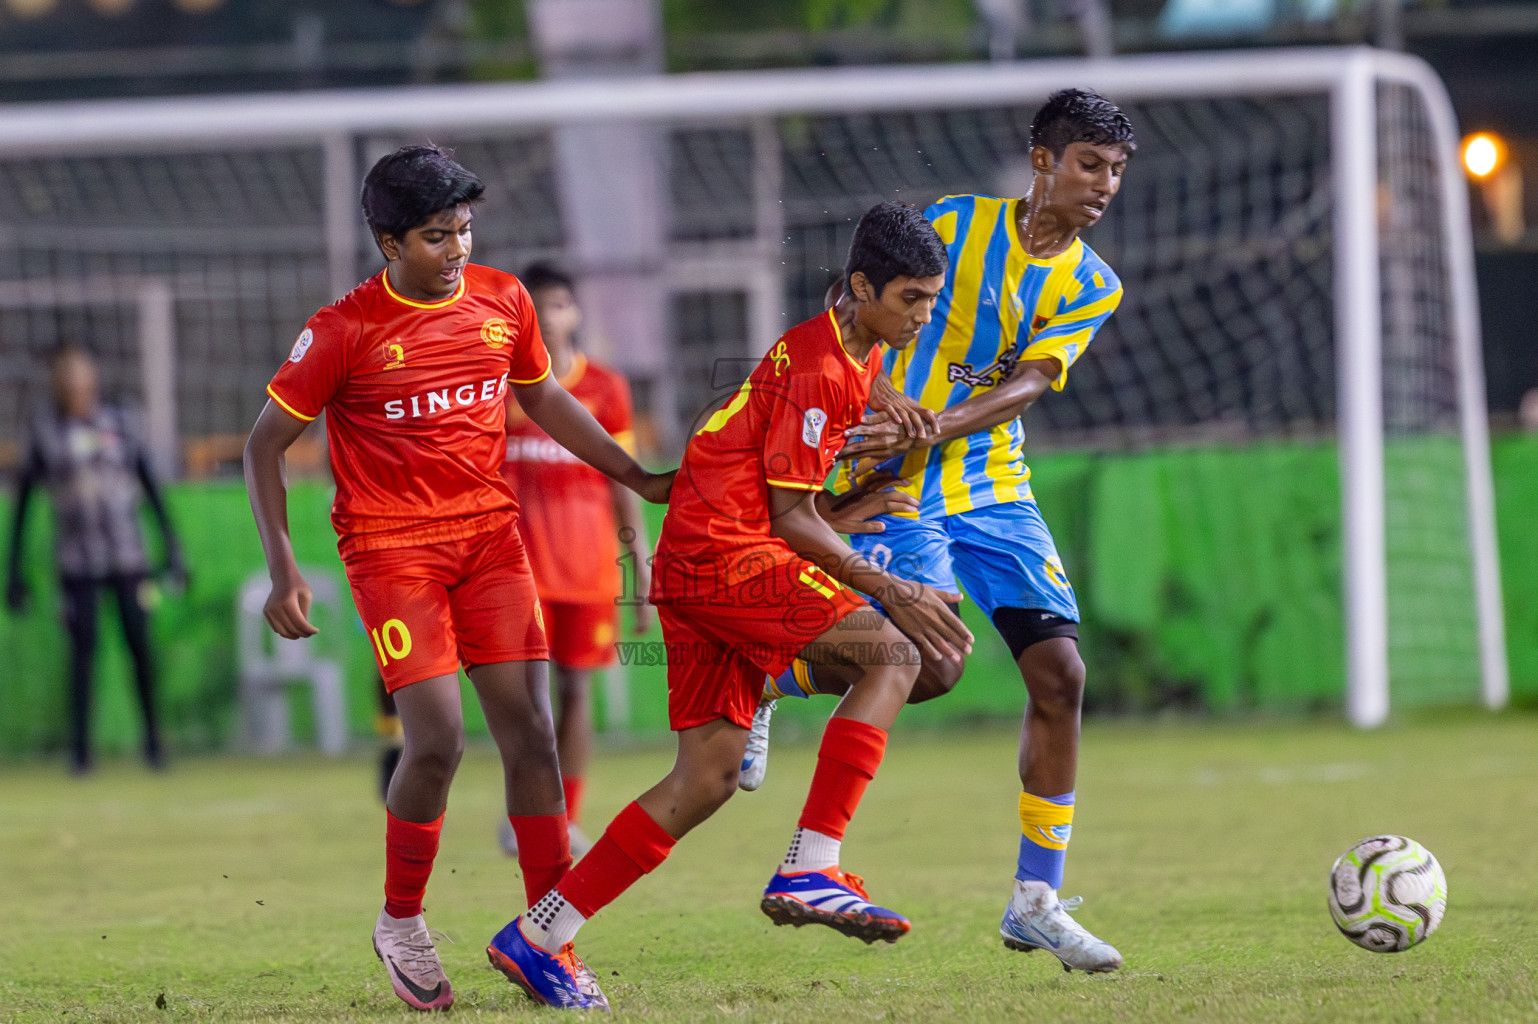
pixel 755 756
pixel 834 898
pixel 559 979
pixel 1036 919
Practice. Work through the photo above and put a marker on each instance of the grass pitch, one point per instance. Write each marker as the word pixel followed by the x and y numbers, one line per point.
pixel 242 889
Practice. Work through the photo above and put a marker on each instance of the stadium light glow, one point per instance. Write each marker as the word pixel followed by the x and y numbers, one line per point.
pixel 25 9
pixel 1483 154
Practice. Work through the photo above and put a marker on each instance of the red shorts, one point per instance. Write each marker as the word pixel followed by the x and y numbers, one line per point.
pixel 719 650
pixel 431 608
pixel 581 635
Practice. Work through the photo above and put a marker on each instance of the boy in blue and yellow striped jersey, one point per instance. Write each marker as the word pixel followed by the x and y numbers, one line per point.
pixel 1023 298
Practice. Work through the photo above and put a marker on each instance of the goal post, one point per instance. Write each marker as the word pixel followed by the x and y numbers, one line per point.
pixel 1293 237
pixel 1359 343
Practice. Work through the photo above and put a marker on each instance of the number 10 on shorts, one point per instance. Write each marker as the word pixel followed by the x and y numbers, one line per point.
pixel 392 641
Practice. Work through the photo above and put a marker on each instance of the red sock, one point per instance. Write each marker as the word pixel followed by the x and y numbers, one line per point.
pixel 409 851
pixel 632 845
pixel 846 762
pixel 573 786
pixel 544 851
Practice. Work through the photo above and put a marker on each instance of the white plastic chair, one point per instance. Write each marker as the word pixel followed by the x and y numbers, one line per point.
pixel 269 664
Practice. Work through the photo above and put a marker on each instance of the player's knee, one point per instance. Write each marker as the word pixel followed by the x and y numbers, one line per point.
pixel 1056 677
pixel 535 724
pixel 703 791
pixel 435 755
pixel 896 657
pixel 725 788
pixel 936 678
pixel 573 687
pixel 897 679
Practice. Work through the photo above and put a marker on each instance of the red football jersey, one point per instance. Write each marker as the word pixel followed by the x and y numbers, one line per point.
pixel 565 506
pixel 782 428
pixel 414 395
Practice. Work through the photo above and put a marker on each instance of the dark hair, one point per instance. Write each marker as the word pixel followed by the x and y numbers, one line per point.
pixel 406 188
pixel 546 275
pixel 894 240
pixel 1080 115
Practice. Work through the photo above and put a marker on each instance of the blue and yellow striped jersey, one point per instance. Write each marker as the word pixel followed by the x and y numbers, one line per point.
pixel 1000 306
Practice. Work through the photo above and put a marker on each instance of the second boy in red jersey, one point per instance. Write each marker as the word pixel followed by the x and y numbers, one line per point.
pixel 749 574
pixel 412 368
pixel 574 520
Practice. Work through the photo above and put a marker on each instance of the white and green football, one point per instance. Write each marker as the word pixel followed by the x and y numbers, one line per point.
pixel 1387 893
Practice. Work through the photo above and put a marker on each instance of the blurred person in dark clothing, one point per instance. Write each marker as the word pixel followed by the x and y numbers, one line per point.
pixel 90 458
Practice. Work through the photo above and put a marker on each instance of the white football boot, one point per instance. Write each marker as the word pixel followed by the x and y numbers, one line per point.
pixel 577 840
pixel 755 758
pixel 507 838
pixel 1036 919
pixel 406 949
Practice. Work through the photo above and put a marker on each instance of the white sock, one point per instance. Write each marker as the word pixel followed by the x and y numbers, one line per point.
pixel 1032 895
pixel 552 922
pixel 400 925
pixel 811 851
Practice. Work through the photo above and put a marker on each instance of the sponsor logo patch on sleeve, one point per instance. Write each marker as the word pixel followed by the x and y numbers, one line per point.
pixel 301 345
pixel 811 426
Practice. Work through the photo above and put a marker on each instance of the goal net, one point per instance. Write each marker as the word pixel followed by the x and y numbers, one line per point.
pixel 1269 473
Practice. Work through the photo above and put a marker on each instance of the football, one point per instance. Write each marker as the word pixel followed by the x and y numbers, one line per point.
pixel 1387 893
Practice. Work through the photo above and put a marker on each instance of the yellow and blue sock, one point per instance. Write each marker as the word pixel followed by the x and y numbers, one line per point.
pixel 795 681
pixel 1045 824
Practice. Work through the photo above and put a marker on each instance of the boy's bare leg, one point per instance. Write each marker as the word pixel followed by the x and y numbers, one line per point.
pixel 810 886
pixel 418 793
pixel 515 697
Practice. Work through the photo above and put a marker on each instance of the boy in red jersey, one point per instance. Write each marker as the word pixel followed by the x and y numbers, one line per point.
pixel 750 574
pixel 412 367
pixel 573 521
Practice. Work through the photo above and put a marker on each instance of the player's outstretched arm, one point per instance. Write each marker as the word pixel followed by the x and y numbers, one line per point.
pixel 288 606
pixel 573 428
pixel 881 437
pixel 919 611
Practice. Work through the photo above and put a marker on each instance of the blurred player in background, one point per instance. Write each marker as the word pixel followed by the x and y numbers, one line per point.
pixel 573 521
pixel 89 457
pixel 748 573
pixel 1023 299
pixel 412 368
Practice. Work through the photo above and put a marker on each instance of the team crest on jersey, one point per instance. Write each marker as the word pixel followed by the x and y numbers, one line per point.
pixel 811 426
pixel 394 355
pixel 780 357
pixel 1055 573
pixel 301 345
pixel 494 332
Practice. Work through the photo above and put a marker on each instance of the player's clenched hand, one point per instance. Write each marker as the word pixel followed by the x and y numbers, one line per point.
pixel 923 613
pixel 656 487
pixel 288 609
pixel 880 436
pixel 852 511
pixel 915 420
